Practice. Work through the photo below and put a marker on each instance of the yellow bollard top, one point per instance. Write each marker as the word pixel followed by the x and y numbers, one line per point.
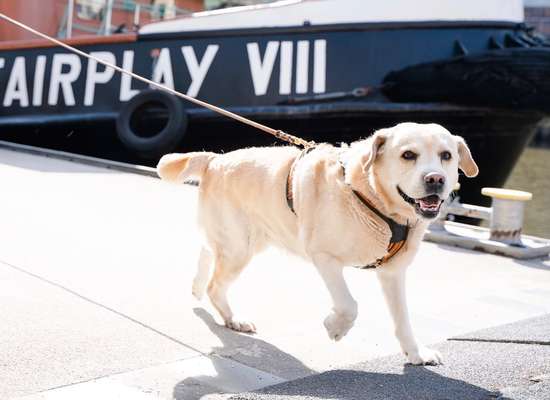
pixel 507 194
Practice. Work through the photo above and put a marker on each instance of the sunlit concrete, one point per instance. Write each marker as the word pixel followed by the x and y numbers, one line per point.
pixel 95 282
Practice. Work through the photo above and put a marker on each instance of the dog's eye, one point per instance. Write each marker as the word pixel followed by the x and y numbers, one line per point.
pixel 446 156
pixel 409 155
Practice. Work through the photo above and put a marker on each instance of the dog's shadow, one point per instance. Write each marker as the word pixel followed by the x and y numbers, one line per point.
pixel 413 382
pixel 243 348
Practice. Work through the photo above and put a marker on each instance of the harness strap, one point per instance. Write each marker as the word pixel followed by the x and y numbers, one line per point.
pixel 399 232
pixel 290 178
pixel 393 249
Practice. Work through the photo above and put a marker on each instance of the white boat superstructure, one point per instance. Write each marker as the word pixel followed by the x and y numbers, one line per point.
pixel 287 13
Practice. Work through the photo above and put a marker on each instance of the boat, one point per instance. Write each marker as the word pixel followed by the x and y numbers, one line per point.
pixel 326 70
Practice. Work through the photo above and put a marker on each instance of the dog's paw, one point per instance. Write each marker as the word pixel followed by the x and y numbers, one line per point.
pixel 337 325
pixel 424 356
pixel 199 286
pixel 197 291
pixel 240 326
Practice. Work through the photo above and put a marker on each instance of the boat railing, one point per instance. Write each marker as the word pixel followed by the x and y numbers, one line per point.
pixel 96 16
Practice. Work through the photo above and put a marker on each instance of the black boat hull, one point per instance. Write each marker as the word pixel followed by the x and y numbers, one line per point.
pixel 279 76
pixel 512 78
pixel 242 68
pixel 496 136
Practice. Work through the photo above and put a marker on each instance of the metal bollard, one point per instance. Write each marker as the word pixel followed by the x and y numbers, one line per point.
pixel 507 214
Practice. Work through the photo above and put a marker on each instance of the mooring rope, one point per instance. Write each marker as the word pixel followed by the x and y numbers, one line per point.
pixel 275 132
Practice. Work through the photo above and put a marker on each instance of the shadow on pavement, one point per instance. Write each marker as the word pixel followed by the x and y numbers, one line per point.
pixel 542 263
pixel 243 348
pixel 416 383
pixel 413 383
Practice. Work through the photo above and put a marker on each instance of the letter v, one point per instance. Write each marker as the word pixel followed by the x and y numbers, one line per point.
pixel 198 71
pixel 261 70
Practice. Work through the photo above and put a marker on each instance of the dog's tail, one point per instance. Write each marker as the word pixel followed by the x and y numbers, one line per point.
pixel 178 167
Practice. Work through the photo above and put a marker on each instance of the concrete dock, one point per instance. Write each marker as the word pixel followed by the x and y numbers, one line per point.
pixel 95 286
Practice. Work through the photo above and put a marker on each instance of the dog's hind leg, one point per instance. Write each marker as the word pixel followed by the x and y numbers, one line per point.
pixel 227 270
pixel 203 273
pixel 344 310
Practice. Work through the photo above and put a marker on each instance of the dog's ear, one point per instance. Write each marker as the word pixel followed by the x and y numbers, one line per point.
pixel 466 162
pixel 170 166
pixel 377 141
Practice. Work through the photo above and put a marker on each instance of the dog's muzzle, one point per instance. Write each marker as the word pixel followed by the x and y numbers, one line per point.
pixel 427 207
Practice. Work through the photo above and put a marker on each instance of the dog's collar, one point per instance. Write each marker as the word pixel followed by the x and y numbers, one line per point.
pixel 406 198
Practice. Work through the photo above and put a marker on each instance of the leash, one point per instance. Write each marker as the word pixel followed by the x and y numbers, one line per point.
pixel 279 134
pixel 399 232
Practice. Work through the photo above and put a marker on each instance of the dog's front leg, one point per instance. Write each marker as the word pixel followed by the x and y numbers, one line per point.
pixel 392 280
pixel 344 310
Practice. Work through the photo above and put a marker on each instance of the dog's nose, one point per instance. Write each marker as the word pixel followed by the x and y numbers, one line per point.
pixel 434 181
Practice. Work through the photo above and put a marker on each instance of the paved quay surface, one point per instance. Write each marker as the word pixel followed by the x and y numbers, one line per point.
pixel 95 300
pixel 480 370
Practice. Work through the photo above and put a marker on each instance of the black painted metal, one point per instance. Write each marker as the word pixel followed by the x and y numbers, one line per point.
pixel 344 27
pixel 517 78
pixel 362 55
pixel 357 56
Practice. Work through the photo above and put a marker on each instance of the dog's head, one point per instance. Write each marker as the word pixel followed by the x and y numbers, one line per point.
pixel 415 166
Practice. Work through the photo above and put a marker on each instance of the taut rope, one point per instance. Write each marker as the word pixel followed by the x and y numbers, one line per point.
pixel 277 133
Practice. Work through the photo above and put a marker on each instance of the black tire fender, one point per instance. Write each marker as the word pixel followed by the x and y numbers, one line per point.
pixel 162 142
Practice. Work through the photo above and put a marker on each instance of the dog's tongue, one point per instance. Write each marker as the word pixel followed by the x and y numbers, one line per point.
pixel 429 202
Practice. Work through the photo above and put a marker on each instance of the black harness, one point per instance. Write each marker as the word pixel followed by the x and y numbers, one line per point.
pixel 289 179
pixel 399 232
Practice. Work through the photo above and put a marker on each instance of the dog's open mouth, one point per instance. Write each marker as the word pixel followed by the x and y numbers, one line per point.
pixel 428 206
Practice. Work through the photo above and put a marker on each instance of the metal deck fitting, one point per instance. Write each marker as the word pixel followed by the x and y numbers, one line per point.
pixel 503 237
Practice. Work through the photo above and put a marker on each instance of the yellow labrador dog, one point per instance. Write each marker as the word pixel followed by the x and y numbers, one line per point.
pixel 366 204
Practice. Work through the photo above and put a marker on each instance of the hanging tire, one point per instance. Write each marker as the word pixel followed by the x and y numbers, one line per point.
pixel 152 123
